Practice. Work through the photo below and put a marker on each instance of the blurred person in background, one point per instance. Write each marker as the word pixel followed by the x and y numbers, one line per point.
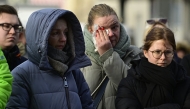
pixel 155 81
pixel 22 42
pixel 182 49
pixel 109 48
pixel 10 30
pixel 5 81
pixel 51 77
pixel 185 62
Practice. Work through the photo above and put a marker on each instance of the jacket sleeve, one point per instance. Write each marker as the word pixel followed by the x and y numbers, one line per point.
pixel 19 98
pixel 83 90
pixel 125 96
pixel 5 81
pixel 114 67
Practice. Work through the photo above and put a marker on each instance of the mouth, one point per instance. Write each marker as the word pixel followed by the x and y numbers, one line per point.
pixel 161 64
pixel 11 38
pixel 60 47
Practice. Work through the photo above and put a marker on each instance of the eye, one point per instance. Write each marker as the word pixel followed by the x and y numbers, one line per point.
pixel 54 33
pixel 65 33
pixel 158 52
pixel 115 27
pixel 7 26
pixel 168 52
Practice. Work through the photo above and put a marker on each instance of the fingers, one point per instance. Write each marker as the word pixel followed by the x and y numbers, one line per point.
pixel 102 34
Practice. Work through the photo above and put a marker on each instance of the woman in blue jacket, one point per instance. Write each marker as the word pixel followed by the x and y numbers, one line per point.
pixel 51 78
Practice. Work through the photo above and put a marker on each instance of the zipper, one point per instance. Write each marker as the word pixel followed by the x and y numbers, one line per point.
pixel 67 92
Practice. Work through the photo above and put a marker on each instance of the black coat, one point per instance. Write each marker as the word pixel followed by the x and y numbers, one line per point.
pixel 13 57
pixel 134 90
pixel 185 62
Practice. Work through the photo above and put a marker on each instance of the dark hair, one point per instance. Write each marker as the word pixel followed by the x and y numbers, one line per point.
pixel 157 33
pixel 100 10
pixel 8 9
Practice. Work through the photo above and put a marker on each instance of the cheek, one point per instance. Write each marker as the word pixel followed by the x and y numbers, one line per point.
pixel 52 42
pixel 152 60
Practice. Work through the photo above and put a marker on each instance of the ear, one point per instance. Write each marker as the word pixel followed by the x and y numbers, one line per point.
pixel 90 29
pixel 145 53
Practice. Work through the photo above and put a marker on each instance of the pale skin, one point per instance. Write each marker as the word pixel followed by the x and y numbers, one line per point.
pixel 8 39
pixel 106 41
pixel 159 45
pixel 58 34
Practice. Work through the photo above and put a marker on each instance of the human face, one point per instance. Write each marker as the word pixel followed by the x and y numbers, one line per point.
pixel 58 34
pixel 159 45
pixel 110 23
pixel 8 39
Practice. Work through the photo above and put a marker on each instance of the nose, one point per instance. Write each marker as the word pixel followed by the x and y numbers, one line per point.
pixel 163 56
pixel 12 30
pixel 63 37
pixel 110 32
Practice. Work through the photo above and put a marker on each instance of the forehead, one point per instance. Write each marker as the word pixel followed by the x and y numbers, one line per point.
pixel 60 23
pixel 106 20
pixel 9 18
pixel 161 45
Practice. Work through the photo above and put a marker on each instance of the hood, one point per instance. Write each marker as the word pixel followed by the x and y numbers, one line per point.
pixel 38 28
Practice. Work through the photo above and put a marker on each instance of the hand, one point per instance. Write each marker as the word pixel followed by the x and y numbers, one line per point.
pixel 102 40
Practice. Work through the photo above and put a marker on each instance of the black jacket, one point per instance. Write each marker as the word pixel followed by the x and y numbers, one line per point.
pixel 135 90
pixel 185 62
pixel 13 57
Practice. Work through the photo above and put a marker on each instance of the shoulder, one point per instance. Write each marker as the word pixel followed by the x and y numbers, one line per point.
pixel 24 69
pixel 132 53
pixel 186 59
pixel 134 50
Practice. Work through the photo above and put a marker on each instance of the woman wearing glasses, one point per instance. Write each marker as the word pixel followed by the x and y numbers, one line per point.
pixel 155 81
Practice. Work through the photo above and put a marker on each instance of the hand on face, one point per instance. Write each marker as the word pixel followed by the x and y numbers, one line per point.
pixel 103 42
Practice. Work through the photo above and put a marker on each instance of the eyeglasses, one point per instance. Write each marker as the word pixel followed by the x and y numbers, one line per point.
pixel 158 53
pixel 7 27
pixel 153 21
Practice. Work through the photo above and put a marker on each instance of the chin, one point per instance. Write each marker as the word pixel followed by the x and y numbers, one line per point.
pixel 113 44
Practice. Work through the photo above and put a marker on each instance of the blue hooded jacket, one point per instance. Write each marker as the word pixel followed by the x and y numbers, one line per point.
pixel 36 85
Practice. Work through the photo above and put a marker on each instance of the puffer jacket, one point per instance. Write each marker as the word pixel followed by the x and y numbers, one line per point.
pixel 36 85
pixel 5 81
pixel 110 64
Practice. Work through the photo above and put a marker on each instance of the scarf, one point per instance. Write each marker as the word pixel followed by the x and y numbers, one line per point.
pixel 160 84
pixel 121 47
pixel 58 60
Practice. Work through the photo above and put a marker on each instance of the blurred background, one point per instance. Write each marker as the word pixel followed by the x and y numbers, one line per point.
pixel 132 13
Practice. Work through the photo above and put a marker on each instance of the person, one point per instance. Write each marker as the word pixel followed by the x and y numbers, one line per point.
pixel 51 77
pixel 182 49
pixel 164 21
pixel 185 62
pixel 5 81
pixel 109 48
pixel 10 30
pixel 155 81
pixel 22 42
